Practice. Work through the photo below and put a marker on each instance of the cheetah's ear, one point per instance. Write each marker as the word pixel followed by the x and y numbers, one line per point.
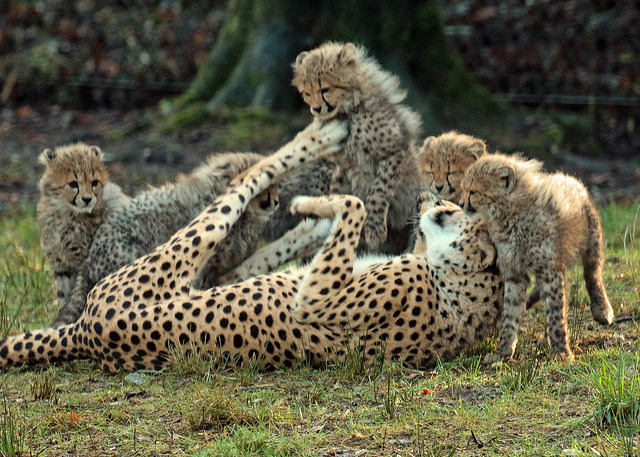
pixel 507 177
pixel 347 55
pixel 96 151
pixel 426 144
pixel 47 156
pixel 300 58
pixel 477 148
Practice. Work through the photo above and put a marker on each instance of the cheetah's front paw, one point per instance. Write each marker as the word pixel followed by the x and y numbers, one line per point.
pixel 319 206
pixel 332 132
pixel 300 205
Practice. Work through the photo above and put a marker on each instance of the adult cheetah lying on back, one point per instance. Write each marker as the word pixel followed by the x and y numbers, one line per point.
pixel 409 307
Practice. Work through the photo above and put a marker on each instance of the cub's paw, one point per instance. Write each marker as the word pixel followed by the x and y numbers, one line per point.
pixel 503 353
pixel 563 355
pixel 322 229
pixel 327 206
pixel 493 359
pixel 304 228
pixel 602 313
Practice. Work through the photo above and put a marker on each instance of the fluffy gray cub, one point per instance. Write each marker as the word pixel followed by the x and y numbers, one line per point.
pixel 153 216
pixel 378 160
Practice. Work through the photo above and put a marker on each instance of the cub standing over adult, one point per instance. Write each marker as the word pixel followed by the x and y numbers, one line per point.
pixel 377 162
pixel 540 223
pixel 75 198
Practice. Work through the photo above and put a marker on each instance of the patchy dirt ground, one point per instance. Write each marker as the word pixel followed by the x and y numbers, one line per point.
pixel 150 155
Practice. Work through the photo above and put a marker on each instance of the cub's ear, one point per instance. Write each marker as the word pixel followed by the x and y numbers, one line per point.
pixel 477 148
pixel 507 178
pixel 47 156
pixel 426 144
pixel 347 55
pixel 300 58
pixel 96 151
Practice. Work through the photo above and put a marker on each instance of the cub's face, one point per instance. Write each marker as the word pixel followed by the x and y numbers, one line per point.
pixel 326 77
pixel 265 203
pixel 485 186
pixel 443 161
pixel 325 100
pixel 74 176
pixel 456 241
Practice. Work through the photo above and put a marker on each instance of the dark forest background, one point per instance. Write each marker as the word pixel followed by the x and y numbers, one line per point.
pixel 152 80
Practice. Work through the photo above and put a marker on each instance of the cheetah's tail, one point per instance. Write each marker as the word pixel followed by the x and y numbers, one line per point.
pixel 41 346
pixel 592 261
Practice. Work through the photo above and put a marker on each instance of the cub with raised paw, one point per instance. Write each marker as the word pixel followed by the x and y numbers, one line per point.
pixel 378 161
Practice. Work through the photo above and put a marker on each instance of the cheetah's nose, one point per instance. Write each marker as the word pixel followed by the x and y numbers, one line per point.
pixel 439 188
pixel 317 109
pixel 87 200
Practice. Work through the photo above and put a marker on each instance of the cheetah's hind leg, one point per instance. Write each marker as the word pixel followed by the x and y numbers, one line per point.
pixel 332 267
pixel 299 242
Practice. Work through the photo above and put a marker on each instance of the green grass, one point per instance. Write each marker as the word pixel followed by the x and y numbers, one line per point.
pixel 533 406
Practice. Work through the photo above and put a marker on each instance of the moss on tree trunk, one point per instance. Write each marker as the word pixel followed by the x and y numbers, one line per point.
pixel 250 63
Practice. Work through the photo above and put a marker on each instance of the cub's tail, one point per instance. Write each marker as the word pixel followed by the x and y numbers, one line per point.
pixel 41 346
pixel 592 262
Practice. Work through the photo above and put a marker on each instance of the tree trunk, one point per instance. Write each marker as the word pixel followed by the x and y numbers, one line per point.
pixel 250 63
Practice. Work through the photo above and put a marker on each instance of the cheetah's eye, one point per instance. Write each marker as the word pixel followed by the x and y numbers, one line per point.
pixel 73 184
pixel 95 183
pixel 324 90
pixel 306 94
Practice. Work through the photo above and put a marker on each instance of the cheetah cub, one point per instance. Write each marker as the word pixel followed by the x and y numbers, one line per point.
pixel 75 198
pixel 540 223
pixel 151 217
pixel 443 160
pixel 378 161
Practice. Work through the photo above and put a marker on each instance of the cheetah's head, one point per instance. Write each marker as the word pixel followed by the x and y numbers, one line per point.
pixel 74 176
pixel 456 241
pixel 490 182
pixel 328 78
pixel 265 203
pixel 443 161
